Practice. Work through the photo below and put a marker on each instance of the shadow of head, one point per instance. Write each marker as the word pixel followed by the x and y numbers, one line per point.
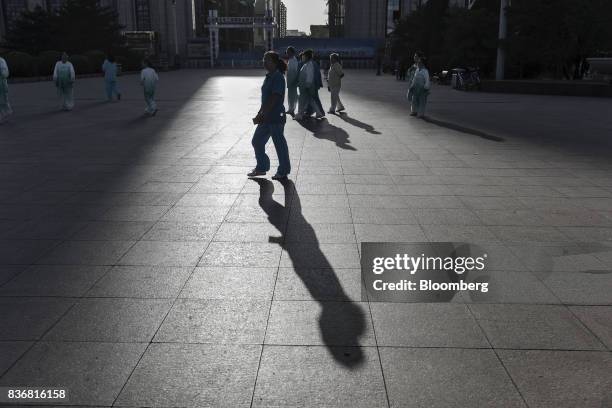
pixel 362 125
pixel 322 129
pixel 341 321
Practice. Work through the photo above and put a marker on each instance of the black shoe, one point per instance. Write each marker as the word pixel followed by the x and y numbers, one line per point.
pixel 279 177
pixel 255 173
pixel 118 97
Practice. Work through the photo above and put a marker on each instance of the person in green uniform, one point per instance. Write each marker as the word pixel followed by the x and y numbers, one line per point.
pixel 64 76
pixel 5 106
pixel 420 87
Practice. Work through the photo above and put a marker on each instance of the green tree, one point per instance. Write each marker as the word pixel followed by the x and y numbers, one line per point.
pixel 553 37
pixel 471 38
pixel 423 30
pixel 33 32
pixel 85 25
pixel 79 25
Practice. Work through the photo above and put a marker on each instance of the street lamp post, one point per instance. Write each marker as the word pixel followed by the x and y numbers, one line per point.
pixel 176 46
pixel 501 51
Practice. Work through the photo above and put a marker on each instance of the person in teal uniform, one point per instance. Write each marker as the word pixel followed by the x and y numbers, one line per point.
pixel 149 79
pixel 5 106
pixel 271 119
pixel 410 74
pixel 111 69
pixel 419 88
pixel 64 76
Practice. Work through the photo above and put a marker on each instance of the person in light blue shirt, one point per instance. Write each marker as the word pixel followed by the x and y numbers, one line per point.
pixel 111 69
pixel 271 119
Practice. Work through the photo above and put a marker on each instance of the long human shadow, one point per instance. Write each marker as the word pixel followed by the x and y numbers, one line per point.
pixel 464 129
pixel 322 129
pixel 341 321
pixel 357 123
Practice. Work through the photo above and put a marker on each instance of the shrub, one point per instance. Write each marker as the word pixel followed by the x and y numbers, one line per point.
pixel 46 62
pixel 96 59
pixel 21 64
pixel 130 60
pixel 81 64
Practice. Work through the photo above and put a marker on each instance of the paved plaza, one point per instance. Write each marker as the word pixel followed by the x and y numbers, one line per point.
pixel 139 266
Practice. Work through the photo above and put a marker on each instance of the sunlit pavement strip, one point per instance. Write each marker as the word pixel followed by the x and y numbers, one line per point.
pixel 140 267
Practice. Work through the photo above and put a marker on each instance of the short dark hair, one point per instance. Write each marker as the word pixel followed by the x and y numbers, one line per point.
pixel 290 50
pixel 308 54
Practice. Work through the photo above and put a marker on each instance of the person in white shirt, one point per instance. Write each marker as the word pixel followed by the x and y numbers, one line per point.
pixel 334 80
pixel 419 89
pixel 64 76
pixel 5 106
pixel 307 87
pixel 148 79
pixel 292 80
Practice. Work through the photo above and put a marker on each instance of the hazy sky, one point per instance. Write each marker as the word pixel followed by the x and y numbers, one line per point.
pixel 302 13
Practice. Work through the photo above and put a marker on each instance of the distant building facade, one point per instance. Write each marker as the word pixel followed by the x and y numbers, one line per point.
pixel 296 33
pixel 319 31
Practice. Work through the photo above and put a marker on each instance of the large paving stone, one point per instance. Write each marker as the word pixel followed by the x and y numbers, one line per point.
pixel 319 377
pixel 441 377
pixel 54 280
pixel 534 327
pixel 141 282
pixel 215 321
pixel 111 320
pixel 426 325
pixel 193 375
pixel 93 373
pixel 561 378
pixel 27 318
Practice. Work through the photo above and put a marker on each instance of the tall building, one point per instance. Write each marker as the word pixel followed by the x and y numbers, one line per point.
pixel 365 18
pixel 336 12
pixel 282 20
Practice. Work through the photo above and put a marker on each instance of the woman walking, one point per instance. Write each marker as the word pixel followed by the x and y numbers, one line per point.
pixel 271 119
pixel 5 106
pixel 148 80
pixel 410 74
pixel 64 77
pixel 110 69
pixel 419 88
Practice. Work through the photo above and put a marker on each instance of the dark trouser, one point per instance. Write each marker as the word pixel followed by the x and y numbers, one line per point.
pixel 261 137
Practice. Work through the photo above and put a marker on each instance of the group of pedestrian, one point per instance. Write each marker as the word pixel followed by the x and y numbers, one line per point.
pixel 64 77
pixel 305 75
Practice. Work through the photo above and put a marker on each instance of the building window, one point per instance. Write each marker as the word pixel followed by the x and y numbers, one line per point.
pixel 12 10
pixel 336 14
pixel 143 15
